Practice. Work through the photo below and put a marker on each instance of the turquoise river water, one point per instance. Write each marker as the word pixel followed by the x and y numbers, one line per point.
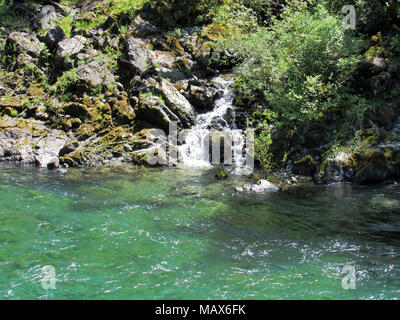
pixel 181 234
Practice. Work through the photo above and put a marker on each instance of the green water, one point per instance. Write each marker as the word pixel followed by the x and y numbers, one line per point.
pixel 180 234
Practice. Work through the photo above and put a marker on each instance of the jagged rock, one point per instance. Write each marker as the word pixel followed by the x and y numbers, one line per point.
pixel 138 54
pixel 143 28
pixel 22 42
pixel 203 96
pixel 150 147
pixel 68 148
pixel 262 186
pixel 155 112
pixel 53 37
pixel 162 61
pixel 177 103
pixel 95 73
pixel 173 102
pixel 30 143
pixel 72 46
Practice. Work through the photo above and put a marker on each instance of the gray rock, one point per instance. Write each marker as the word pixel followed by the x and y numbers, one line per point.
pixel 153 111
pixel 19 144
pixel 71 46
pixel 138 54
pixel 177 103
pixel 22 42
pixel 203 96
pixel 262 186
pixel 53 37
pixel 95 73
pixel 173 101
pixel 143 28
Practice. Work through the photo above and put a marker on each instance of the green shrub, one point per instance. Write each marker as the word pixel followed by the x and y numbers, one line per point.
pixel 301 68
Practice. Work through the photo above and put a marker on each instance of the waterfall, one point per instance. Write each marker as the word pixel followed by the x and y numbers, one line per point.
pixel 195 151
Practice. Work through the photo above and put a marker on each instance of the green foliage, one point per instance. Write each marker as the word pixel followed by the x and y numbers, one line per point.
pixel 129 7
pixel 301 68
pixel 66 24
pixel 234 18
pixel 14 113
pixel 65 80
pixel 262 145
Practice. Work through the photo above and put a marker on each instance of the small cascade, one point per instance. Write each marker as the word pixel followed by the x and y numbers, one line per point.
pixel 218 122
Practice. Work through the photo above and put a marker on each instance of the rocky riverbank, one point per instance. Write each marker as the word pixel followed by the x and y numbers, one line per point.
pixel 91 98
pixel 84 96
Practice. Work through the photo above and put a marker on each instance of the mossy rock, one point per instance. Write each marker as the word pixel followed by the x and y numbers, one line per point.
pixel 11 102
pixel 74 159
pixel 305 166
pixel 222 174
pixel 375 167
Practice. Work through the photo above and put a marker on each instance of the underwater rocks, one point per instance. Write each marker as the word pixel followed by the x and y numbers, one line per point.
pixel 262 186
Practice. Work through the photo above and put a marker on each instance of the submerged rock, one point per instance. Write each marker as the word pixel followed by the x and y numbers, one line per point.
pixel 262 186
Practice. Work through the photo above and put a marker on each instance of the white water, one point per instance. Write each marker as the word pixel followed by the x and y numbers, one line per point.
pixel 195 152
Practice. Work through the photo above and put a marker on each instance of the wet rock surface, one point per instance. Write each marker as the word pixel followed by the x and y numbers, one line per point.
pixel 262 186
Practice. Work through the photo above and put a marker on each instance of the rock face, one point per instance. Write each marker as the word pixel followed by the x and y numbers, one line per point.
pixel 25 43
pixel 262 186
pixel 31 143
pixel 336 169
pixel 138 56
pixel 95 73
pixel 164 104
pixel 71 46
pixel 53 37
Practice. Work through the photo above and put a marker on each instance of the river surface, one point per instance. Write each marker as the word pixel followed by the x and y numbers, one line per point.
pixel 181 234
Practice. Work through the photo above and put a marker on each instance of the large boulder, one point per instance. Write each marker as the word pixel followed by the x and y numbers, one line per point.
pixel 177 103
pixel 153 111
pixel 25 43
pixel 95 73
pixel 138 54
pixel 338 168
pixel 143 28
pixel 67 51
pixel 72 46
pixel 202 95
pixel 31 143
pixel 172 100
